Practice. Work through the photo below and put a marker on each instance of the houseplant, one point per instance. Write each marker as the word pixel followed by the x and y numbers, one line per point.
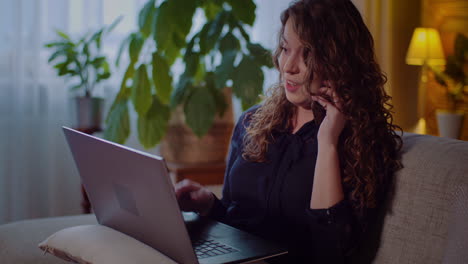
pixel 220 51
pixel 454 79
pixel 82 61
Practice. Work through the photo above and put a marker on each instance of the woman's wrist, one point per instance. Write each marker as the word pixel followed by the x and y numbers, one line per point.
pixel 327 145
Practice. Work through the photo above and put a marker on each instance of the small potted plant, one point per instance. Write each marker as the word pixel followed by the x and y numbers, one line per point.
pixel 454 79
pixel 83 62
pixel 183 110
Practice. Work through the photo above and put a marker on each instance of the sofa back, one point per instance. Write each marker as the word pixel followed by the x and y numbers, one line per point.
pixel 426 220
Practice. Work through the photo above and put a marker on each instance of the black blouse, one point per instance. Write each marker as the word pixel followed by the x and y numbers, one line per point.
pixel 272 199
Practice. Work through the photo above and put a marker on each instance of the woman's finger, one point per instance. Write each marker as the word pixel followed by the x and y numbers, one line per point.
pixel 322 101
pixel 331 96
pixel 186 186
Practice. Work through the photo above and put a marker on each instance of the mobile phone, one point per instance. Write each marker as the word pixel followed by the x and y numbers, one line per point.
pixel 317 108
pixel 319 112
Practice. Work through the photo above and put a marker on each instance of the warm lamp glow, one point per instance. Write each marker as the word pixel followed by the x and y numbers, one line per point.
pixel 425 48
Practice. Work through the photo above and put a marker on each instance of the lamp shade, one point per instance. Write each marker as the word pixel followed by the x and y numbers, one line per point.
pixel 425 48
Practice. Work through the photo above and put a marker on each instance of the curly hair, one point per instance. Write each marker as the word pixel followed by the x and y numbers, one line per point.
pixel 339 48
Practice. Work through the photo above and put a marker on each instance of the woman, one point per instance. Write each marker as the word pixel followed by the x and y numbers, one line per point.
pixel 308 167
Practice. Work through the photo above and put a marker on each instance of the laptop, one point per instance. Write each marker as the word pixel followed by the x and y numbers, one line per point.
pixel 131 191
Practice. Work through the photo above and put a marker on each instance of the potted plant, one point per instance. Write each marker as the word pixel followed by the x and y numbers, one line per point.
pixel 220 52
pixel 82 61
pixel 454 79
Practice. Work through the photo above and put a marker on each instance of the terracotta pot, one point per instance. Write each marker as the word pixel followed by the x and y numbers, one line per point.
pixel 182 146
pixel 450 123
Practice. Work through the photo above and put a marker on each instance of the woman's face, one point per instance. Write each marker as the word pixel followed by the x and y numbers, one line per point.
pixel 294 70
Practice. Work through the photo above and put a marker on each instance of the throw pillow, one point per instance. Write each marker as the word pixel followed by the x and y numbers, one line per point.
pixel 98 244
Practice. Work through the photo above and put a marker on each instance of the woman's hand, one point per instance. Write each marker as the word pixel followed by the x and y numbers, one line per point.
pixel 334 120
pixel 194 197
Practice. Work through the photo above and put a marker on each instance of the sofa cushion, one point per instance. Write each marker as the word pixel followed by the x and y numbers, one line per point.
pixel 457 240
pixel 415 227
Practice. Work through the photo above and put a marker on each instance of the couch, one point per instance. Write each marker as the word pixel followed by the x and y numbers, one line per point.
pixel 425 219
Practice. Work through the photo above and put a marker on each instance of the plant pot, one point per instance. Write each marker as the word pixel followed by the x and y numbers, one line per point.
pixel 89 112
pixel 182 146
pixel 449 123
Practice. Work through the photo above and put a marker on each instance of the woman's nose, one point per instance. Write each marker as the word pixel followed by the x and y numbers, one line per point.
pixel 291 66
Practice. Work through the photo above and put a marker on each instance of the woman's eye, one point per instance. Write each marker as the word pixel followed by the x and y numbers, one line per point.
pixel 306 54
pixel 284 49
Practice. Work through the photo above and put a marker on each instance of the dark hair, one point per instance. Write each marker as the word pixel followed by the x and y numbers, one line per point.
pixel 339 48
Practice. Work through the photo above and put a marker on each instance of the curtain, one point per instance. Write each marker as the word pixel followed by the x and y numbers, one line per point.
pixel 391 23
pixel 38 177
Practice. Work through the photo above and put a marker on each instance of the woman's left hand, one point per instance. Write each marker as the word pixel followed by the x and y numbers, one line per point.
pixel 334 120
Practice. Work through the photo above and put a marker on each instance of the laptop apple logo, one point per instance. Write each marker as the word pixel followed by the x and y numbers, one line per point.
pixel 126 199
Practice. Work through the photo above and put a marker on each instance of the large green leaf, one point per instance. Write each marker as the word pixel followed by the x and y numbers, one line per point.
pixel 203 38
pixel 162 78
pixel 211 9
pixel 200 73
pixel 152 126
pixel 225 70
pixel 211 32
pixel 262 56
pixel 125 91
pixel 182 90
pixel 248 81
pixel 244 10
pixel 172 52
pixel 218 95
pixel 136 43
pixel 123 45
pixel 229 42
pixel 163 26
pixel 141 91
pixel 185 14
pixel 118 122
pixel 129 74
pixel 200 110
pixel 145 18
pixel 192 62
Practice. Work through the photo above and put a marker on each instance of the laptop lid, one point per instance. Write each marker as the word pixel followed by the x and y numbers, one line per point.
pixel 127 196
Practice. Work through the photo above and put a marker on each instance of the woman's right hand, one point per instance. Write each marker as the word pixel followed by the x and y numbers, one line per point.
pixel 194 197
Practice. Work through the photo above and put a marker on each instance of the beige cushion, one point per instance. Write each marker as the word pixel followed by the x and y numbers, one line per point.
pixel 18 240
pixel 98 244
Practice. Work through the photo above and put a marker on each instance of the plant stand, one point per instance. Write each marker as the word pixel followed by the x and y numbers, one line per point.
pixel 205 174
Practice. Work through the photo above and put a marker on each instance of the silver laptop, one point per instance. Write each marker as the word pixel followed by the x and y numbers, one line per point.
pixel 131 191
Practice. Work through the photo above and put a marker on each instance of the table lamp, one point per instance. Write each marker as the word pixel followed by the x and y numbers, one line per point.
pixel 425 50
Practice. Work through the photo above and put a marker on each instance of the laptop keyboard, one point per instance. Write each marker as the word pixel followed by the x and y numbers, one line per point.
pixel 205 248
